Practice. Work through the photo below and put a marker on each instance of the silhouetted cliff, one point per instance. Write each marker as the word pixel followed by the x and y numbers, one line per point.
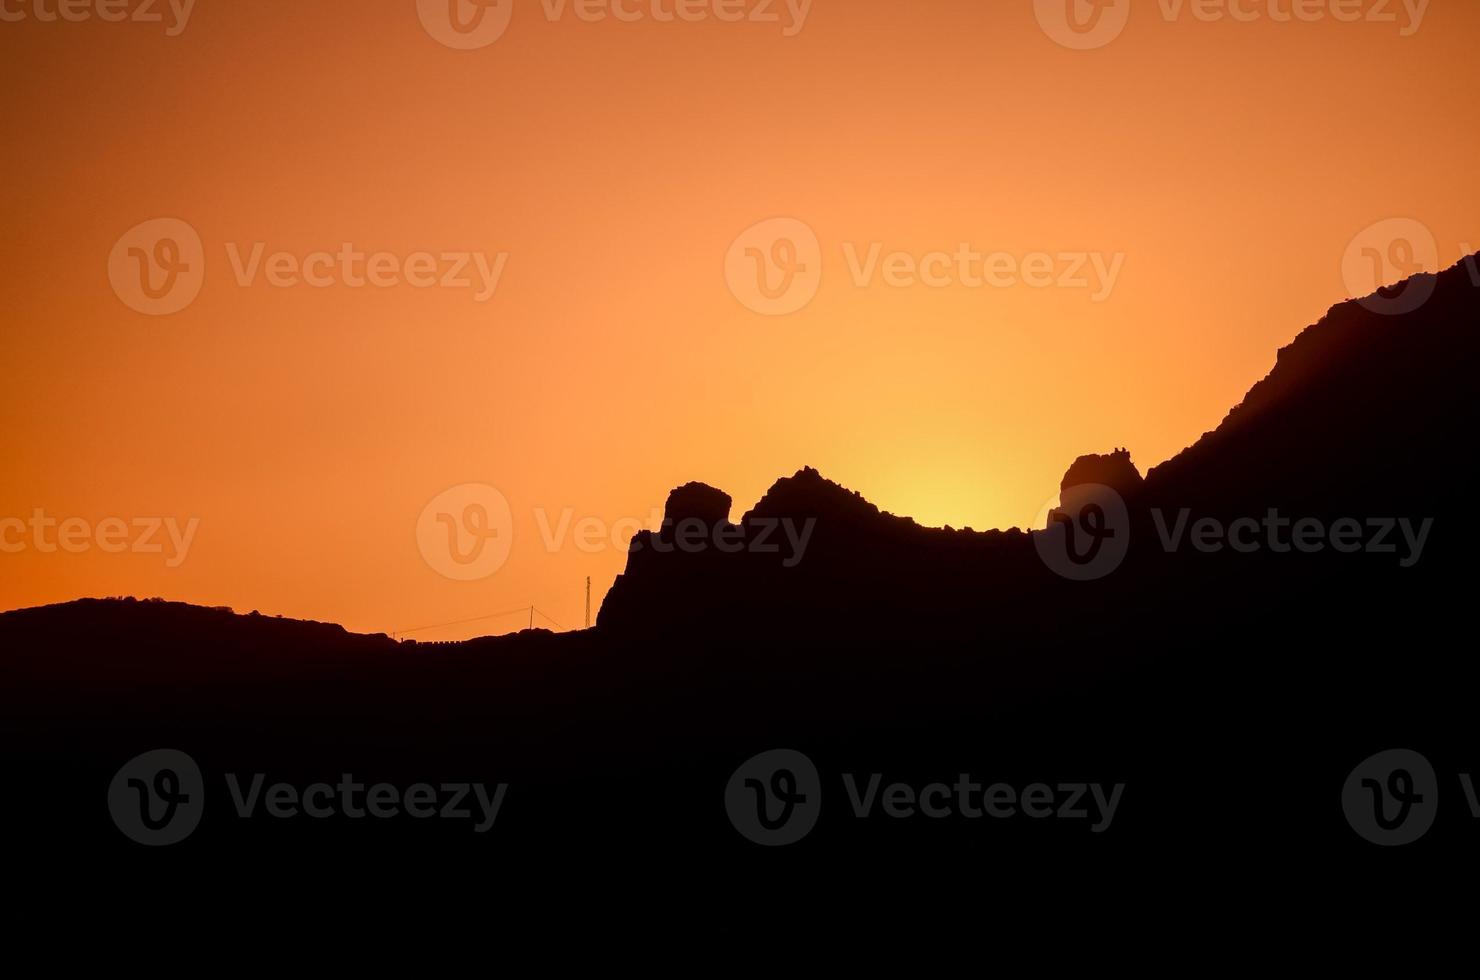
pixel 1177 643
pixel 1363 414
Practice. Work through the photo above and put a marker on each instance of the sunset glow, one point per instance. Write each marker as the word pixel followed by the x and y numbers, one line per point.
pixel 507 266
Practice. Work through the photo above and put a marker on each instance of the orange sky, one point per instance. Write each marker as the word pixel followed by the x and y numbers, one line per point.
pixel 1226 164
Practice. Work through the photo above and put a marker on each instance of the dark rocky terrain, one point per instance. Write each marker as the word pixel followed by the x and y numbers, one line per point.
pixel 1229 691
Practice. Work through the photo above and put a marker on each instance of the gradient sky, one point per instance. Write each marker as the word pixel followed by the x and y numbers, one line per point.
pixel 1232 166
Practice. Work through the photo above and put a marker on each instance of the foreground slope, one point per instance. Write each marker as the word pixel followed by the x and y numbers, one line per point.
pixel 1199 679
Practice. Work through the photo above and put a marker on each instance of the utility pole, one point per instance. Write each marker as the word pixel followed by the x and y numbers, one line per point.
pixel 588 602
pixel 531 617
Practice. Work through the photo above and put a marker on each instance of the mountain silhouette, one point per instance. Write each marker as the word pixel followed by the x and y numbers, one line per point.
pixel 1227 676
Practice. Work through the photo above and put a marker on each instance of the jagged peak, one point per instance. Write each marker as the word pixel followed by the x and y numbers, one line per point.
pixel 1349 330
pixel 1114 470
pixel 807 493
pixel 699 501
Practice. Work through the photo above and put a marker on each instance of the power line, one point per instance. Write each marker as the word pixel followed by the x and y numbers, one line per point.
pixel 532 610
pixel 545 615
pixel 461 622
